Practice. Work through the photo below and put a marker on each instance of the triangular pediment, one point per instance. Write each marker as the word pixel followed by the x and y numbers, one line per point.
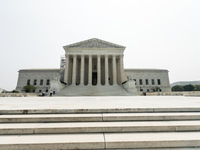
pixel 93 43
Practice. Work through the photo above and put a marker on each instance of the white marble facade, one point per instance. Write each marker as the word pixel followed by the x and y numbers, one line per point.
pixel 41 78
pixel 149 80
pixel 95 63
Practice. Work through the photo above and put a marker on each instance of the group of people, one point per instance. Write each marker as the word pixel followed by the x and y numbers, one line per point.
pixel 52 92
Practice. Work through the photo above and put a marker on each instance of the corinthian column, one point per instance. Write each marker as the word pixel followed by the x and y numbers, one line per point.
pixel 66 68
pixel 121 68
pixel 114 69
pixel 98 70
pixel 74 70
pixel 106 69
pixel 90 70
pixel 82 69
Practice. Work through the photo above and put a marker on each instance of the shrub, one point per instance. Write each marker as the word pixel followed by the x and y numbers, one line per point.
pixel 29 88
pixel 177 88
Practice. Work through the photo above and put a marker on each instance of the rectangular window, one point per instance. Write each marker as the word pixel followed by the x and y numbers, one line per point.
pixel 135 81
pixel 152 82
pixel 41 82
pixel 35 82
pixel 140 81
pixel 48 82
pixel 28 82
pixel 147 81
pixel 159 83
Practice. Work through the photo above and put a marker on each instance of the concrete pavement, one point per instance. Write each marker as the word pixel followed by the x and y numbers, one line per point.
pixel 150 103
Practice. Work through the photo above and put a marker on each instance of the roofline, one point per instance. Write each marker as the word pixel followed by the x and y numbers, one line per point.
pixel 41 69
pixel 74 44
pixel 144 69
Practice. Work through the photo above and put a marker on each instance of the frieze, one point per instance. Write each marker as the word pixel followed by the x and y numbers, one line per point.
pixel 94 43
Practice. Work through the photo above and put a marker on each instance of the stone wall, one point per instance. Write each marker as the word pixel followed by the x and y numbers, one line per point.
pixel 18 94
pixel 192 93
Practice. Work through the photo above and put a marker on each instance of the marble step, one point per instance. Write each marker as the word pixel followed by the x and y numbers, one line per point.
pixel 187 148
pixel 152 140
pixel 28 118
pixel 98 127
pixel 151 116
pixel 99 110
pixel 112 90
pixel 169 140
pixel 53 142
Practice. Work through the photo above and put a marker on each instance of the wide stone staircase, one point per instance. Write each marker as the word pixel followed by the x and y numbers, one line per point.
pixel 116 90
pixel 164 128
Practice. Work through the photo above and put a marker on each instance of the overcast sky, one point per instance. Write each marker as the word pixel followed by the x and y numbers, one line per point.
pixel 163 34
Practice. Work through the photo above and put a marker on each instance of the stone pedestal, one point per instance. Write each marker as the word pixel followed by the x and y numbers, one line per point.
pixel 130 87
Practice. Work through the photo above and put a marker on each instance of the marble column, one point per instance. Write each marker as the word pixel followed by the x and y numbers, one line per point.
pixel 82 69
pixel 66 68
pixel 74 70
pixel 114 69
pixel 121 68
pixel 98 70
pixel 106 69
pixel 90 70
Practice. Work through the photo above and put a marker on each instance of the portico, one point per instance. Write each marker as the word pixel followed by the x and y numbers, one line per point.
pixel 94 63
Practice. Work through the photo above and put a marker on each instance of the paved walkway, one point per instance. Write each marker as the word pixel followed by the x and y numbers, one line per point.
pixel 112 102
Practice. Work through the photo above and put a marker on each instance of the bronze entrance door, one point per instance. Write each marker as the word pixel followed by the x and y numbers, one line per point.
pixel 94 78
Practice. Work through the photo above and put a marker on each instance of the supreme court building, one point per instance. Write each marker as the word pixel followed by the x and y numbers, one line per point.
pixel 94 67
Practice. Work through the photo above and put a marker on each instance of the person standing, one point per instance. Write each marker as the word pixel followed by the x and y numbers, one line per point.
pixel 51 92
pixel 43 93
pixel 54 92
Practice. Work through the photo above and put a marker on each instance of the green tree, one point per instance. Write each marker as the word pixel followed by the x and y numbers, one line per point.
pixel 197 87
pixel 29 88
pixel 14 91
pixel 177 88
pixel 188 87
